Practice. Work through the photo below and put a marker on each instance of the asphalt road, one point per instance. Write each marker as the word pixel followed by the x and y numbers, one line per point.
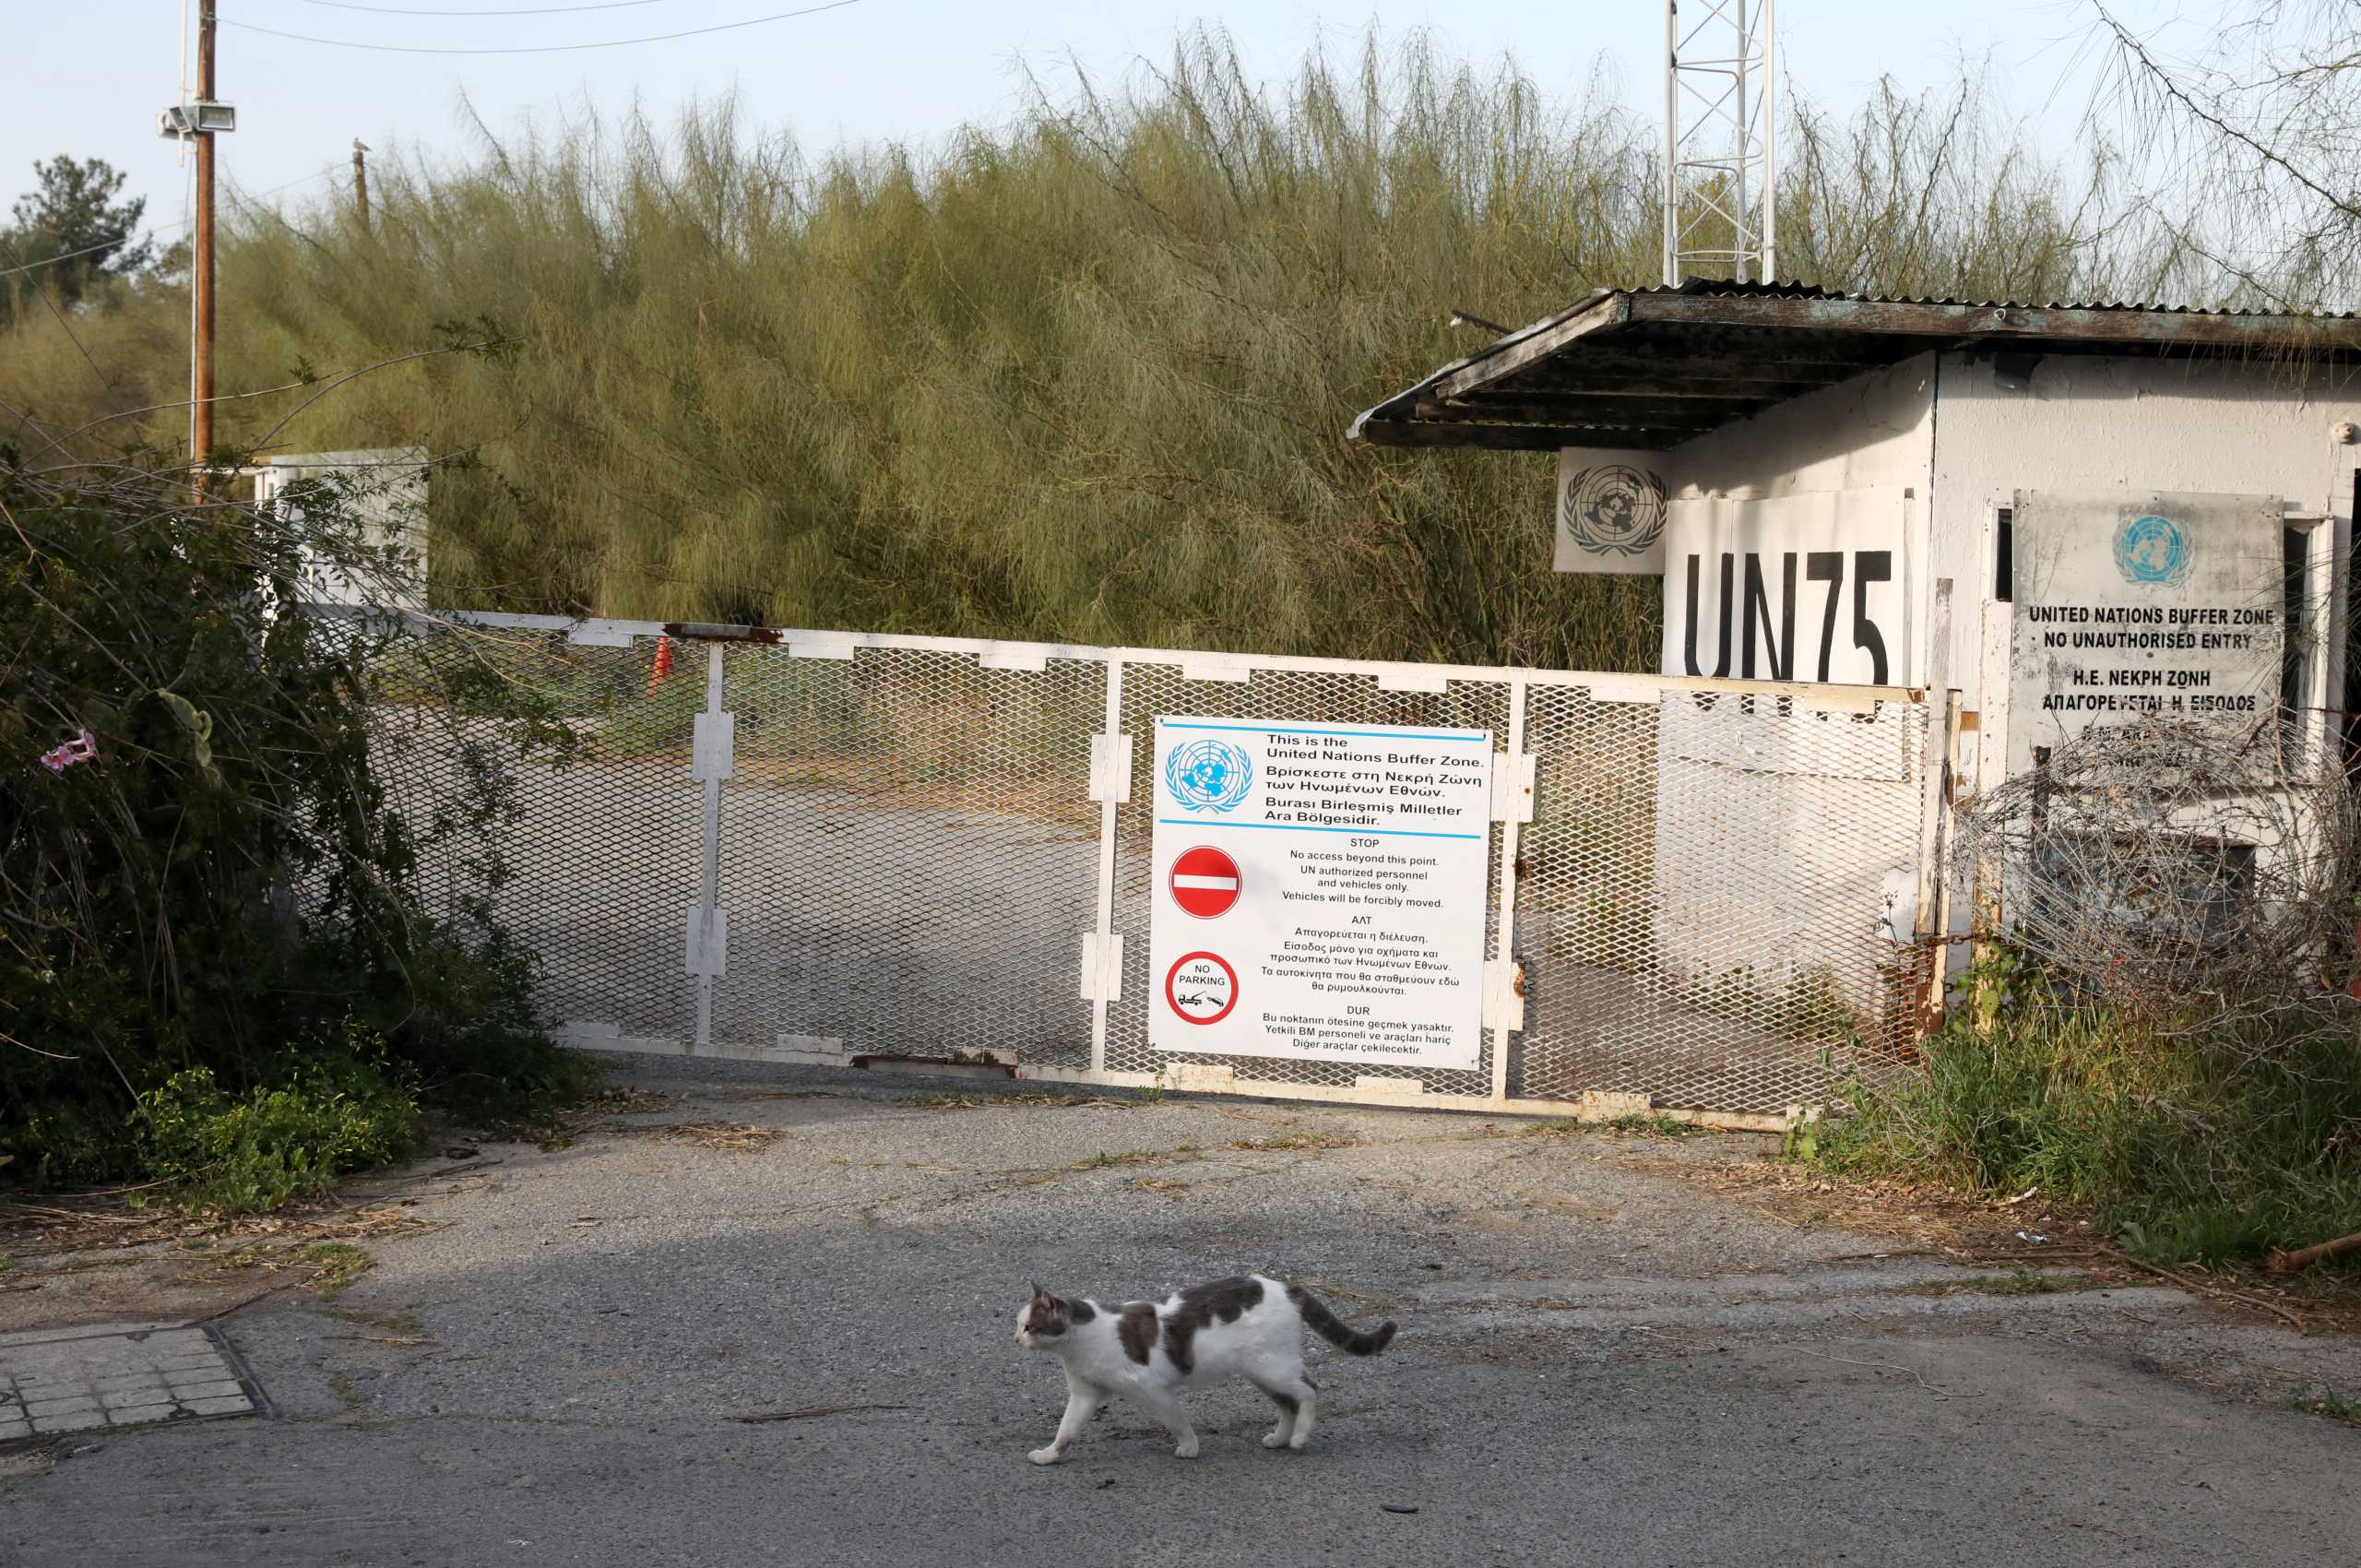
pixel 1600 1362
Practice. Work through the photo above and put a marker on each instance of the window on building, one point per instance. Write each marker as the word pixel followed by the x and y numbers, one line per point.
pixel 2004 555
pixel 2298 647
pixel 2352 696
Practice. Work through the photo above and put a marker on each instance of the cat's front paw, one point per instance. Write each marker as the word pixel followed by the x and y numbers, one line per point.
pixel 1043 1455
pixel 1187 1450
pixel 1276 1439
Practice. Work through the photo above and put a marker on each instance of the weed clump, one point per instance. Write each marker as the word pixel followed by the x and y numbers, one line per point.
pixel 2198 1144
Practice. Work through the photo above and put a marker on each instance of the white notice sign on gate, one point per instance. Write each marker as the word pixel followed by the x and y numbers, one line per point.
pixel 1319 892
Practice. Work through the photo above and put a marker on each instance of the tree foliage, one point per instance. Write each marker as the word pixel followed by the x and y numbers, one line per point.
pixel 203 864
pixel 1086 376
pixel 2254 143
pixel 74 229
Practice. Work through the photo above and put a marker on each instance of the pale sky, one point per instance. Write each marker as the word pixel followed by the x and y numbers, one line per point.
pixel 88 78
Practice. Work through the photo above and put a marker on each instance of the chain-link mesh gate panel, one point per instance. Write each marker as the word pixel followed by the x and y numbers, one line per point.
pixel 909 854
pixel 1720 895
pixel 1284 696
pixel 1714 912
pixel 593 863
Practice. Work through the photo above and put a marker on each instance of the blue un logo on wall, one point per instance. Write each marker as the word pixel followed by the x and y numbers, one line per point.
pixel 2152 552
pixel 1208 776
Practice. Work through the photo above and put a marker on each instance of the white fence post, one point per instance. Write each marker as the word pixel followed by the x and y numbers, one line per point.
pixel 1112 793
pixel 1927 919
pixel 711 761
pixel 1511 1017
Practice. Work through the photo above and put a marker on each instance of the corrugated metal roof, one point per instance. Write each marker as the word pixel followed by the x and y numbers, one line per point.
pixel 1653 367
pixel 1725 288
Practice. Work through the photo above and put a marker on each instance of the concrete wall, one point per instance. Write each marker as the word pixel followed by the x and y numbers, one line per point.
pixel 1942 427
pixel 1828 799
pixel 1873 429
pixel 388 498
pixel 2093 425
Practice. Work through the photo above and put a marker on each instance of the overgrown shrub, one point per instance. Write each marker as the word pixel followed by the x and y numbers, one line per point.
pixel 2189 1143
pixel 1083 374
pixel 329 1107
pixel 206 876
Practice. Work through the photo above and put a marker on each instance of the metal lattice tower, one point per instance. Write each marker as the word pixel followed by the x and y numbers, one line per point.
pixel 1721 141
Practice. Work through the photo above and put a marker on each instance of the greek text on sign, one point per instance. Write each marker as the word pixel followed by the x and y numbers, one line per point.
pixel 2129 606
pixel 1320 891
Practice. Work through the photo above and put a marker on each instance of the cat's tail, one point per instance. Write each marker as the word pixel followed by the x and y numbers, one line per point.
pixel 1335 1330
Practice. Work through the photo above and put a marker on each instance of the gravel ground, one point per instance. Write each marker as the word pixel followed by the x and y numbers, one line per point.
pixel 1599 1362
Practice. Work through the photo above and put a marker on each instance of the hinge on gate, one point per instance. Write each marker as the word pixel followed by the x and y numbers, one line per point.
pixel 819 645
pixel 1110 769
pixel 707 948
pixel 713 750
pixel 1512 787
pixel 1503 999
pixel 1028 658
pixel 601 632
pixel 1102 966
pixel 1413 679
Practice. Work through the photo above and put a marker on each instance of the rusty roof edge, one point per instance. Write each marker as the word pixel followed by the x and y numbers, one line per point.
pixel 1602 313
pixel 1954 319
pixel 1402 405
pixel 1943 323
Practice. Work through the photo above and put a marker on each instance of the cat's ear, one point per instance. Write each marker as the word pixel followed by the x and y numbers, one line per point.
pixel 1039 1294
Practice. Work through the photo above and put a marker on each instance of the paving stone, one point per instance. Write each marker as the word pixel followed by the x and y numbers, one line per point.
pixel 136 1414
pixel 79 1379
pixel 79 1422
pixel 144 1394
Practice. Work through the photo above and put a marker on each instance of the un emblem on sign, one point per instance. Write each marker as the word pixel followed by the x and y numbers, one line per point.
pixel 2152 552
pixel 1208 776
pixel 1614 510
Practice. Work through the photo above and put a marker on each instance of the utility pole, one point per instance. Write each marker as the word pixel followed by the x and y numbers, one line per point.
pixel 200 121
pixel 361 180
pixel 201 278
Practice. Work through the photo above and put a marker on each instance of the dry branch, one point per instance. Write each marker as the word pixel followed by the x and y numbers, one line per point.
pixel 2304 1257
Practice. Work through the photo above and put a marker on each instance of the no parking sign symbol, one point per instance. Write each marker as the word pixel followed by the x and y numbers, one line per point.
pixel 1202 988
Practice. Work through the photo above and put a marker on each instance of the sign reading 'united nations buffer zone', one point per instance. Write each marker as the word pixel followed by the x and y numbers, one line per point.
pixel 1345 869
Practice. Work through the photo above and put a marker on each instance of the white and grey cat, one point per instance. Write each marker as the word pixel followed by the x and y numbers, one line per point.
pixel 1149 1351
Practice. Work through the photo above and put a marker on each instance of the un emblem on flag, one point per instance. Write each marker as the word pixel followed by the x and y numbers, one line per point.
pixel 1208 776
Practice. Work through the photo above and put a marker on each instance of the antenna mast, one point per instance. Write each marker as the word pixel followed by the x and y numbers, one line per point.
pixel 1721 141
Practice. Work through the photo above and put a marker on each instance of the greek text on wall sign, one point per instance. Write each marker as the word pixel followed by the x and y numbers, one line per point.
pixel 1319 891
pixel 2152 603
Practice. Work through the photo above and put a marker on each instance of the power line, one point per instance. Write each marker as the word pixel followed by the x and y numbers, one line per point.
pixel 535 11
pixel 546 48
pixel 70 255
pixel 161 229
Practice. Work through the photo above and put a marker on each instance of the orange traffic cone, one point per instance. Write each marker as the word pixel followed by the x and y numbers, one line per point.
pixel 663 664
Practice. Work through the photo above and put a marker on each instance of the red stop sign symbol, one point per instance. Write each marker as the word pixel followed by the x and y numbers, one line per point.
pixel 1204 883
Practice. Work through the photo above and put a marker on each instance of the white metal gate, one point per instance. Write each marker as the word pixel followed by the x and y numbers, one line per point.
pixel 823 847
